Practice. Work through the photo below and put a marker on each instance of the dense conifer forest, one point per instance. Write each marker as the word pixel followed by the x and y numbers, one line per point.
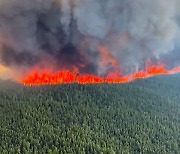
pixel 139 117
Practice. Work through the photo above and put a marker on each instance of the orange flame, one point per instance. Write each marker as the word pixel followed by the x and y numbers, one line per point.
pixel 67 77
pixel 107 58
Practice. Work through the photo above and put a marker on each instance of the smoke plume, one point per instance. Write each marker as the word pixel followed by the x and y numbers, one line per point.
pixel 92 35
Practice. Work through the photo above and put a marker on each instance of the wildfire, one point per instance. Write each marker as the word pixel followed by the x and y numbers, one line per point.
pixel 107 58
pixel 67 77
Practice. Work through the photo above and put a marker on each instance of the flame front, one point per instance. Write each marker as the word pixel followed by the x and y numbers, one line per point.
pixel 67 77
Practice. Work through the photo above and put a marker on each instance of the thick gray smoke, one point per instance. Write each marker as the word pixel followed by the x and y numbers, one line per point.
pixel 71 33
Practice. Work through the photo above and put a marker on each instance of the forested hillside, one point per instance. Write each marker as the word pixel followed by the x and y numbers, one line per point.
pixel 139 117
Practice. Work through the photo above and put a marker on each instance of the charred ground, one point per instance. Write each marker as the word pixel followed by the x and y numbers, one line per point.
pixel 142 116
